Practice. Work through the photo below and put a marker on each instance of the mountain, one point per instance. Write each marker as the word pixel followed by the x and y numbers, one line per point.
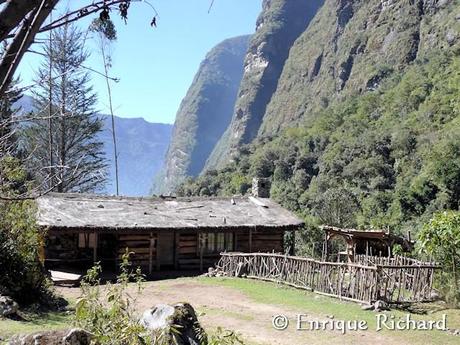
pixel 363 127
pixel 306 54
pixel 350 47
pixel 277 28
pixel 141 149
pixel 204 113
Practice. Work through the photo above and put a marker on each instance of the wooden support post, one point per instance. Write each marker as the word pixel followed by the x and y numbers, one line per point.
pixel 201 244
pixel 326 247
pixel 250 240
pixel 152 243
pixel 95 247
pixel 158 251
pixel 176 250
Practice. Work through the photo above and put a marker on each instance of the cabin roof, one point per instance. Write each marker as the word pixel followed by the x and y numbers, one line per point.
pixel 362 235
pixel 93 212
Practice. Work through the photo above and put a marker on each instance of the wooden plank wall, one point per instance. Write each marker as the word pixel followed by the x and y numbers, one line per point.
pixel 260 242
pixel 268 242
pixel 187 253
pixel 139 244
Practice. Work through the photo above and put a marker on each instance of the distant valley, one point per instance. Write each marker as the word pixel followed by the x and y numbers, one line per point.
pixel 141 149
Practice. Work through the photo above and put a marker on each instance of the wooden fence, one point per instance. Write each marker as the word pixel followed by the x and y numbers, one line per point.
pixel 349 281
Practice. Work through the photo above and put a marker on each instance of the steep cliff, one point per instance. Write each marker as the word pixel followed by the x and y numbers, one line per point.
pixel 204 113
pixel 350 47
pixel 363 129
pixel 279 25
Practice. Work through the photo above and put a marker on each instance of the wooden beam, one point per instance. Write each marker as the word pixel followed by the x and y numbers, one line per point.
pixel 250 240
pixel 176 249
pixel 201 256
pixel 158 251
pixel 152 243
pixel 95 247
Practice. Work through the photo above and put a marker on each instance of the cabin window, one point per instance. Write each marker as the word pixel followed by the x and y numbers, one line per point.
pixel 214 243
pixel 86 240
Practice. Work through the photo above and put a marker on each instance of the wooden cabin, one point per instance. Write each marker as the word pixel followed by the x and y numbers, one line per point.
pixel 364 242
pixel 163 233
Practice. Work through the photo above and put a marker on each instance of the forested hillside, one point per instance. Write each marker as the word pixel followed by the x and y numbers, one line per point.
pixel 364 127
pixel 204 114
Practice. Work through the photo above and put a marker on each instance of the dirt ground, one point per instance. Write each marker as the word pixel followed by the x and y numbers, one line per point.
pixel 230 309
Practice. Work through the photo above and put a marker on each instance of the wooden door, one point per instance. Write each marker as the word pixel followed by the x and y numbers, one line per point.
pixel 165 249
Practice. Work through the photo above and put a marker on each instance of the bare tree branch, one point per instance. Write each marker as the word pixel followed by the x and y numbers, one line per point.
pixel 21 42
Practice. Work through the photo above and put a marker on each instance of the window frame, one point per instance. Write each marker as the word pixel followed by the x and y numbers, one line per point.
pixel 214 249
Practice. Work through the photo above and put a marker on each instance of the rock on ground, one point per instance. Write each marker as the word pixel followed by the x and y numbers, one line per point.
pixel 67 337
pixel 181 317
pixel 8 307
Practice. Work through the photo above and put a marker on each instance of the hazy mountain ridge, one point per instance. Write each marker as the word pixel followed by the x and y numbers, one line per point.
pixel 204 113
pixel 141 149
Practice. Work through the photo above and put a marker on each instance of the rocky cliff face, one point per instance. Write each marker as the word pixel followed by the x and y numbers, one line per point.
pixel 350 47
pixel 204 113
pixel 279 25
pixel 307 56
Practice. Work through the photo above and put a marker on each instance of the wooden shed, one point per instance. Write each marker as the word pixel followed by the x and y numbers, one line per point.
pixel 365 242
pixel 163 233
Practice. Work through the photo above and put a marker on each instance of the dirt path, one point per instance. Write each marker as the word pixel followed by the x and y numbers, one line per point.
pixel 228 308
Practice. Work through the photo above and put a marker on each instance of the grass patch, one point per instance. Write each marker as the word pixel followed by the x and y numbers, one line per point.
pixel 208 311
pixel 34 323
pixel 310 303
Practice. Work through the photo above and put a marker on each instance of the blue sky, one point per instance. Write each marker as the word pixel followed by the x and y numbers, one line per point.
pixel 156 66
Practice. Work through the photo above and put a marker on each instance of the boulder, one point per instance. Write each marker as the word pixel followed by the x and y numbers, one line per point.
pixel 380 305
pixel 64 337
pixel 158 317
pixel 181 318
pixel 8 307
pixel 434 296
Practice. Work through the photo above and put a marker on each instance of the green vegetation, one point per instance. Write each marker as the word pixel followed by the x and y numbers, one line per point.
pixel 35 323
pixel 350 48
pixel 387 158
pixel 441 238
pixel 110 314
pixel 22 275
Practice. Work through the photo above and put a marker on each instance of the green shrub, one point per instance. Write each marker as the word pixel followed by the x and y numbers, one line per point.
pixel 440 237
pixel 22 275
pixel 109 313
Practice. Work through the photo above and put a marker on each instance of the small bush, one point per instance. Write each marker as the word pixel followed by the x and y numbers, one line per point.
pixel 109 313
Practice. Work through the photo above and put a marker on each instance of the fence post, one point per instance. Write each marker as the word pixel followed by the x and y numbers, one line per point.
pixel 378 282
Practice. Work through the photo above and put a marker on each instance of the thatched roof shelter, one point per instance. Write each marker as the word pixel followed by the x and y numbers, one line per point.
pixel 111 213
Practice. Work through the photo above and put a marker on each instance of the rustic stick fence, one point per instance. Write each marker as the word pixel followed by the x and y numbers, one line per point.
pixel 364 281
